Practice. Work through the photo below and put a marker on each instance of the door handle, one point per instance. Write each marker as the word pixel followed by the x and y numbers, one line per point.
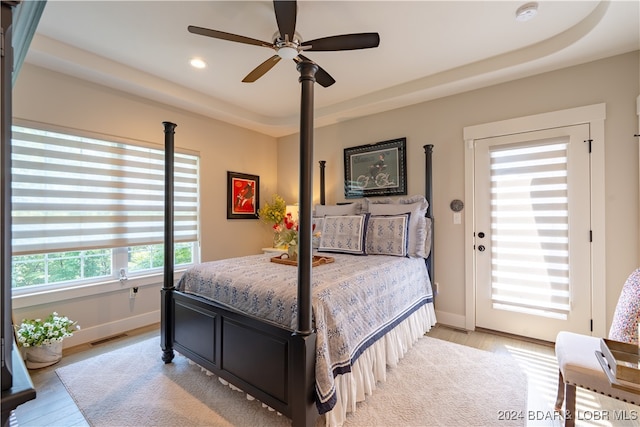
pixel 481 248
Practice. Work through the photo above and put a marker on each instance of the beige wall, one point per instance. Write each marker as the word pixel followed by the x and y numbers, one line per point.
pixel 613 81
pixel 44 96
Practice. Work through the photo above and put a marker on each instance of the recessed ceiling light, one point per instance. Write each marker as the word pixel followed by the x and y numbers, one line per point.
pixel 526 12
pixel 198 63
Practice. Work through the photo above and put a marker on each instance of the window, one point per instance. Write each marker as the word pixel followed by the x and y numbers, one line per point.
pixel 85 209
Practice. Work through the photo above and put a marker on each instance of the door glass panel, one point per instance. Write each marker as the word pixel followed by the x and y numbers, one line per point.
pixel 530 228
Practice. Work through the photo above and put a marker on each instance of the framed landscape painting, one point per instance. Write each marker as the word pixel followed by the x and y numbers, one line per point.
pixel 378 169
pixel 243 195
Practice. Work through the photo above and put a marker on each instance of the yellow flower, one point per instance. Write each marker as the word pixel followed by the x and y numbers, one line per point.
pixel 274 212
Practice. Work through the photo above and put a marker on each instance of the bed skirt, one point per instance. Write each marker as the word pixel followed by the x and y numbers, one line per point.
pixel 371 366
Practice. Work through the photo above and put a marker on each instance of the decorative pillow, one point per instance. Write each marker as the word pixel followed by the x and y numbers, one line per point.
pixel 346 209
pixel 317 231
pixel 624 327
pixel 418 198
pixel 387 235
pixel 421 237
pixel 344 233
pixel 428 237
pixel 417 207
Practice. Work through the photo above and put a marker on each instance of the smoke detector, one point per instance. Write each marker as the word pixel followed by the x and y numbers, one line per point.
pixel 527 12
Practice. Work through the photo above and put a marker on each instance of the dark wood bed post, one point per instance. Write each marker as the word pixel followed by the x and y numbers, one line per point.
pixel 323 164
pixel 428 185
pixel 166 305
pixel 304 412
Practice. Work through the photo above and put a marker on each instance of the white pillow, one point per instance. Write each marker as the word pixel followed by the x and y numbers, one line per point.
pixel 418 198
pixel 347 209
pixel 387 235
pixel 344 233
pixel 428 237
pixel 424 203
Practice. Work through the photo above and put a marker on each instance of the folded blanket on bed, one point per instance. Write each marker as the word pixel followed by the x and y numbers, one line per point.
pixel 355 301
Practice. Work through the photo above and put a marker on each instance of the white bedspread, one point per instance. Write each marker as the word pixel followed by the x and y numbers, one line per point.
pixel 356 300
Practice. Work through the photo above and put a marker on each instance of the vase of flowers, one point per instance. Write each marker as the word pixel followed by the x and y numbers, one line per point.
pixel 292 252
pixel 289 236
pixel 41 340
pixel 273 213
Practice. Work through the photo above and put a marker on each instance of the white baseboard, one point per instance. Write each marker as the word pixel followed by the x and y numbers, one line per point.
pixel 110 329
pixel 451 319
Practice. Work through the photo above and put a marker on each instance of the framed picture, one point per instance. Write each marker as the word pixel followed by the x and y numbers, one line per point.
pixel 243 195
pixel 378 169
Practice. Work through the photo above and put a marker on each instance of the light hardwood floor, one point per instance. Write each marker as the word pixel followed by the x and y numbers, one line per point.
pixel 54 407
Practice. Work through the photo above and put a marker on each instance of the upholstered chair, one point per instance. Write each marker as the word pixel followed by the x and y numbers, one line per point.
pixel 576 353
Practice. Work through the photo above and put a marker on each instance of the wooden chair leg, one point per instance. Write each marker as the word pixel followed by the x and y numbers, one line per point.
pixel 560 398
pixel 570 406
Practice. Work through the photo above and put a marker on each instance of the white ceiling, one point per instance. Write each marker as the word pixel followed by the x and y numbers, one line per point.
pixel 428 49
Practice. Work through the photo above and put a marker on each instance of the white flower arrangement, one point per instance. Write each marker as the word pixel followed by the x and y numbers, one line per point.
pixel 36 332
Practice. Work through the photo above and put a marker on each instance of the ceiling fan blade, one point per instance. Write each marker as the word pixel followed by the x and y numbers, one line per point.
pixel 323 78
pixel 261 69
pixel 286 12
pixel 227 36
pixel 344 42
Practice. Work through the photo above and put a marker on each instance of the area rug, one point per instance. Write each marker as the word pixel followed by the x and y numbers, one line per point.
pixel 437 383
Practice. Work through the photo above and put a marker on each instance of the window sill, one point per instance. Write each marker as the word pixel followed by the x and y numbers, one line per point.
pixel 45 296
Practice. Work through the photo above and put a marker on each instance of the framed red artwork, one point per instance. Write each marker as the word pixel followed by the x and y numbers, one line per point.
pixel 243 195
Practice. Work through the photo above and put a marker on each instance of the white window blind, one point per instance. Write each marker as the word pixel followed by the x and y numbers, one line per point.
pixel 73 192
pixel 530 229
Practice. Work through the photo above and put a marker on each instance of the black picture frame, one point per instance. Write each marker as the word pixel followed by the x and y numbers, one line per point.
pixel 243 195
pixel 378 169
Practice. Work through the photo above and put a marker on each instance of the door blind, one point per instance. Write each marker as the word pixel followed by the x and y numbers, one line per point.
pixel 78 193
pixel 530 228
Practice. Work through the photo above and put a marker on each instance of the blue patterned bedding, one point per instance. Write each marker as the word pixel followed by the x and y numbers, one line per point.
pixel 356 300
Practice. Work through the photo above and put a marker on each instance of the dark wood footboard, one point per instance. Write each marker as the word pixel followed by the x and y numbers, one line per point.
pixel 272 364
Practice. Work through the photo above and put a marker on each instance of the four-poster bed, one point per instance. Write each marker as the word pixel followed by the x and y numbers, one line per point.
pixel 276 361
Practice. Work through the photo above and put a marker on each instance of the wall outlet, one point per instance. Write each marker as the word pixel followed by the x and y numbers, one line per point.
pixel 436 288
pixel 133 292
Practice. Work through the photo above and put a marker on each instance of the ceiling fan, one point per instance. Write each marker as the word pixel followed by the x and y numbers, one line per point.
pixel 288 44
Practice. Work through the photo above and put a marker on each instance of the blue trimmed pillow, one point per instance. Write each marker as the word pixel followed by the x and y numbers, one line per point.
pixel 388 235
pixel 417 207
pixel 344 233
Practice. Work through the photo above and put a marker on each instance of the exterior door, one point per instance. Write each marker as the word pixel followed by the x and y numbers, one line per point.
pixel 532 232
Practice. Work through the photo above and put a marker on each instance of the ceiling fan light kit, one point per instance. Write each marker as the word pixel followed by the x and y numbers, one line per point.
pixel 287 43
pixel 287 52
